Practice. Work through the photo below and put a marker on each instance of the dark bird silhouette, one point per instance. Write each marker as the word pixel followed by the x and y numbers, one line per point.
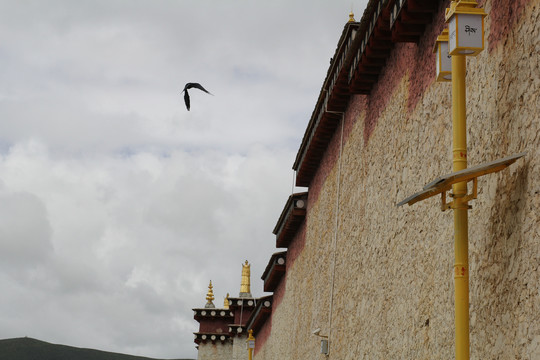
pixel 189 86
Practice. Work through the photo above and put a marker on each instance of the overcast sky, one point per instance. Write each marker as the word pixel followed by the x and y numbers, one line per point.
pixel 117 205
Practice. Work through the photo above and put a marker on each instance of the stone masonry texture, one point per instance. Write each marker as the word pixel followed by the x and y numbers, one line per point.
pixel 215 351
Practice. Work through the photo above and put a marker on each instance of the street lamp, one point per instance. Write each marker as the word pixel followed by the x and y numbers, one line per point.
pixel 466 32
pixel 466 37
pixel 250 342
pixel 466 28
pixel 444 60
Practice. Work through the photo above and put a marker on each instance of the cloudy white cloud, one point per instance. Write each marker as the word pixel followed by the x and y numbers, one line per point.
pixel 117 206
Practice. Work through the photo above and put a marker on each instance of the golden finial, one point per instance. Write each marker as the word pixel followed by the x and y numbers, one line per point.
pixel 210 296
pixel 351 16
pixel 245 284
pixel 226 302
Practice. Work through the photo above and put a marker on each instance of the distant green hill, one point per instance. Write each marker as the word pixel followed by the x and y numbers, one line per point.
pixel 32 349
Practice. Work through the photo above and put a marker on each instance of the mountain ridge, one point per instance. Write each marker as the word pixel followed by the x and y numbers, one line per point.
pixel 26 348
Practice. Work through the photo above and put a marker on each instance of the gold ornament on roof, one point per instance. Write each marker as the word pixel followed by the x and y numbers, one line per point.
pixel 351 17
pixel 226 302
pixel 210 296
pixel 245 290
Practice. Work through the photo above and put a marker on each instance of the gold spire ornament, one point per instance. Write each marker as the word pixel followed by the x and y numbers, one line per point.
pixel 351 16
pixel 226 302
pixel 245 284
pixel 210 297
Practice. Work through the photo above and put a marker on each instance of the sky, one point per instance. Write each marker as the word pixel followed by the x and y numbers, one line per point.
pixel 117 205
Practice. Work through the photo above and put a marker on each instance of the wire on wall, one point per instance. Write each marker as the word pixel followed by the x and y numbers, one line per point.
pixel 334 245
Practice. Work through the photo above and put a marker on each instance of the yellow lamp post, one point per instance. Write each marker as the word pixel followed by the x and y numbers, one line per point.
pixel 250 344
pixel 466 37
pixel 460 206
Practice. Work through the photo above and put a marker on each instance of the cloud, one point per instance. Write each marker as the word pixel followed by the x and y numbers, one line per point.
pixel 143 233
pixel 117 206
pixel 25 231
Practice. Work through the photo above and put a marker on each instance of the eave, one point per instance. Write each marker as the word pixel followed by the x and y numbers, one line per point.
pixel 375 47
pixel 361 55
pixel 274 271
pixel 241 302
pixel 408 19
pixel 291 218
pixel 212 313
pixel 261 314
pixel 332 102
pixel 203 337
pixel 237 330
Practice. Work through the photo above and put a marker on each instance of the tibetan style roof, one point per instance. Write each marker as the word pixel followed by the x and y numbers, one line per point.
pixel 332 102
pixel 359 59
pixel 290 219
pixel 274 271
pixel 262 312
pixel 205 337
pixel 241 302
pixel 201 313
pixel 408 18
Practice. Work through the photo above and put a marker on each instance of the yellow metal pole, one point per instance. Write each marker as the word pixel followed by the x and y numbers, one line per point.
pixel 460 206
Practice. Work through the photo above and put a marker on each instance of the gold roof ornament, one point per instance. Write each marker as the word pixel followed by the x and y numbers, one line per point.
pixel 210 297
pixel 351 17
pixel 226 302
pixel 245 290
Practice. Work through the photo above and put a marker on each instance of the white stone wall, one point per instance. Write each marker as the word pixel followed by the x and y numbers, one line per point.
pixel 239 349
pixel 216 351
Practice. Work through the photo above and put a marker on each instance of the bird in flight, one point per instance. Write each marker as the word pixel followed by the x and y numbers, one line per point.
pixel 189 86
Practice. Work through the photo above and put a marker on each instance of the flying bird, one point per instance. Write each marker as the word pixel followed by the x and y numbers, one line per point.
pixel 189 86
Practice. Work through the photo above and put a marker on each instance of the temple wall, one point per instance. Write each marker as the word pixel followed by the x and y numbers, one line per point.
pixel 239 348
pixel 378 279
pixel 216 351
